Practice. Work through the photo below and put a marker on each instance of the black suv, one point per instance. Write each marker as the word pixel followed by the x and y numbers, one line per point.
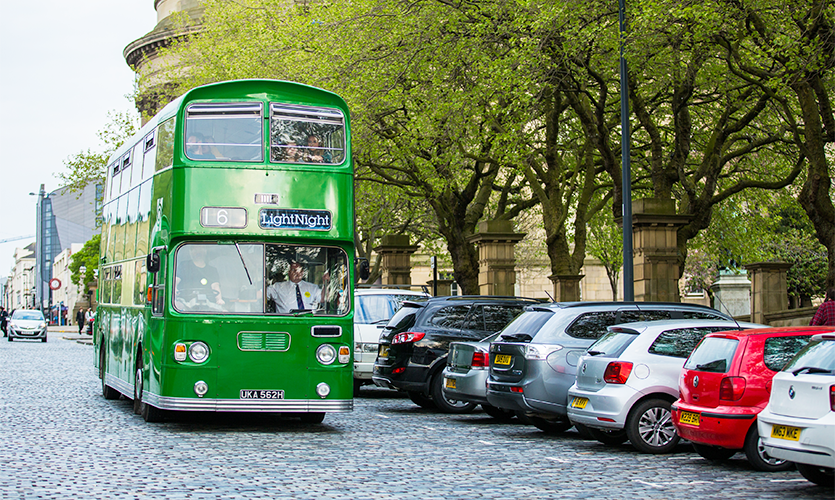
pixel 415 343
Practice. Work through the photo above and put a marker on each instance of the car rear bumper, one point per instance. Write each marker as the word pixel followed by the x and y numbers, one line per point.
pixel 500 395
pixel 724 426
pixel 605 409
pixel 815 445
pixel 470 386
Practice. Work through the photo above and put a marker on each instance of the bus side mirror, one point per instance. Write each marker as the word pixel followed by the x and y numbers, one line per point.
pixel 363 269
pixel 153 261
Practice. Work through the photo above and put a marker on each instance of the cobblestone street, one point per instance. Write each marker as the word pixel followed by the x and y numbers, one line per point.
pixel 61 439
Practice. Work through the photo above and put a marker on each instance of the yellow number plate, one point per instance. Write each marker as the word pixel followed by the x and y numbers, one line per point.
pixel 579 403
pixel 450 383
pixel 384 351
pixel 785 432
pixel 688 417
pixel 502 359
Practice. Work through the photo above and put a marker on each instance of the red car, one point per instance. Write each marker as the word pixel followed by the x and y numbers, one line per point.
pixel 726 382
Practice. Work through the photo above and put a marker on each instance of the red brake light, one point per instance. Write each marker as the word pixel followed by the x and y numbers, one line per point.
pixel 731 388
pixel 407 337
pixel 617 372
pixel 832 397
pixel 480 359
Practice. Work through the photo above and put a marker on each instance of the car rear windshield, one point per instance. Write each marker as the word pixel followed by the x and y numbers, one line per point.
pixel 679 343
pixel 714 355
pixel 778 351
pixel 527 323
pixel 816 357
pixel 613 344
pixel 404 318
pixel 378 308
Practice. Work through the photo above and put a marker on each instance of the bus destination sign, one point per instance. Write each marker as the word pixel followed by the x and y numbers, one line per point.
pixel 289 218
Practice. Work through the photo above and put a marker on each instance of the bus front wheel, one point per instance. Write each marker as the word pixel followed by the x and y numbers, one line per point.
pixel 312 418
pixel 149 413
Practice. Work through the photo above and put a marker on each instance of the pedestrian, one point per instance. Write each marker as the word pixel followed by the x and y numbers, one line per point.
pixel 80 319
pixel 825 314
pixel 90 316
pixel 4 318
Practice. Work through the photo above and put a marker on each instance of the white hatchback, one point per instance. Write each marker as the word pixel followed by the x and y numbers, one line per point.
pixel 798 424
pixel 373 307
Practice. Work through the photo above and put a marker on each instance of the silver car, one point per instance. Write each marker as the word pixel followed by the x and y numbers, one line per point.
pixel 466 372
pixel 628 379
pixel 373 307
pixel 27 324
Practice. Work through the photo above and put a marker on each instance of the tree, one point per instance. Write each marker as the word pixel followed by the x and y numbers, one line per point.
pixel 87 258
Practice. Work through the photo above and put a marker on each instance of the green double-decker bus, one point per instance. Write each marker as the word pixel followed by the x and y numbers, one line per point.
pixel 227 255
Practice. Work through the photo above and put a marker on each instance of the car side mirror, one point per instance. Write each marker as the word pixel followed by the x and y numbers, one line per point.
pixel 153 262
pixel 363 269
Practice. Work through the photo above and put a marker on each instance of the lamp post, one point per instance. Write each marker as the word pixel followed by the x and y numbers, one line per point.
pixel 626 171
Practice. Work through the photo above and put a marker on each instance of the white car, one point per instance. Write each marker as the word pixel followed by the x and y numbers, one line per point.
pixel 628 380
pixel 27 324
pixel 798 424
pixel 373 307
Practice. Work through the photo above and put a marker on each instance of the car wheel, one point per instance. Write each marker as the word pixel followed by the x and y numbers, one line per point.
pixel 106 391
pixel 357 385
pixel 757 456
pixel 583 431
pixel 551 426
pixel 822 476
pixel 649 427
pixel 312 418
pixel 713 453
pixel 523 418
pixel 11 338
pixel 43 339
pixel 498 413
pixel 421 400
pixel 446 404
pixel 613 437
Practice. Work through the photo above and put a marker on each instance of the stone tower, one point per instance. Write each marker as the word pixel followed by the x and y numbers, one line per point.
pixel 143 56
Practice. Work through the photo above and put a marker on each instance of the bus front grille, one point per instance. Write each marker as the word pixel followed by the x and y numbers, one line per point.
pixel 263 341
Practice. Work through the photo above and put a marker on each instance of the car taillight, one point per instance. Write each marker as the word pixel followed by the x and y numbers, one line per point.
pixel 731 388
pixel 481 359
pixel 407 337
pixel 617 372
pixel 832 397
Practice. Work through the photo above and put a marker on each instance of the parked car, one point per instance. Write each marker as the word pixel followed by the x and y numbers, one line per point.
pixel 798 424
pixel 27 324
pixel 725 383
pixel 465 375
pixel 534 361
pixel 629 377
pixel 373 308
pixel 414 344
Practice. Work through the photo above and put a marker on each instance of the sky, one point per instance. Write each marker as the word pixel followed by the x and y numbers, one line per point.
pixel 61 72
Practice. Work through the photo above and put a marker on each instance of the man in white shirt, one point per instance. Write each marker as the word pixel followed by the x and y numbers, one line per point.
pixel 295 293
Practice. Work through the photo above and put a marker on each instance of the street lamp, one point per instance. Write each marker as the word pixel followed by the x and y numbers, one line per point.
pixel 626 170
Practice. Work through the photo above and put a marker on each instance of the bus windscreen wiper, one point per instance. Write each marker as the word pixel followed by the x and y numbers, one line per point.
pixel 243 262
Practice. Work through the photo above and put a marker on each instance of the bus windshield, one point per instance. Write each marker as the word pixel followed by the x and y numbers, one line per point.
pixel 306 134
pixel 224 132
pixel 256 278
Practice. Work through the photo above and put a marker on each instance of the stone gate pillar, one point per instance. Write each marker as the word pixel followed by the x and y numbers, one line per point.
pixel 566 287
pixel 396 265
pixel 732 294
pixel 496 259
pixel 769 289
pixel 655 251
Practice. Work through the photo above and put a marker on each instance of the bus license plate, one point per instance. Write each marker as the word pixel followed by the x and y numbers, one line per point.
pixel 502 359
pixel 579 402
pixel 256 394
pixel 450 383
pixel 688 417
pixel 785 432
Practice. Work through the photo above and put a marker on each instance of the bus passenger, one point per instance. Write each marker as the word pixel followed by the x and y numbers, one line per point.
pixel 315 154
pixel 291 152
pixel 295 293
pixel 196 148
pixel 195 280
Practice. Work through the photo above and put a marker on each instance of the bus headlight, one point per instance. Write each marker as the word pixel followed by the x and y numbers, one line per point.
pixel 344 354
pixel 201 388
pixel 198 352
pixel 323 390
pixel 326 354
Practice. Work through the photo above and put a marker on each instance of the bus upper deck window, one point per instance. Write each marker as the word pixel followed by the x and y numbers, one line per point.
pixel 224 132
pixel 306 134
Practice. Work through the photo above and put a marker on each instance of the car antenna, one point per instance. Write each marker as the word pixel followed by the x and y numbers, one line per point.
pixel 738 327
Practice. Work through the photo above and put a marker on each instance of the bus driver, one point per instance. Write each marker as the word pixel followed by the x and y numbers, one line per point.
pixel 295 293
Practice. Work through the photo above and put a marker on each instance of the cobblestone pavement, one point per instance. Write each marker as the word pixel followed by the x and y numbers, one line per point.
pixel 60 439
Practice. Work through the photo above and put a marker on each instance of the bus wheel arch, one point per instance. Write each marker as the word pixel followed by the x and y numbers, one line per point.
pixel 106 391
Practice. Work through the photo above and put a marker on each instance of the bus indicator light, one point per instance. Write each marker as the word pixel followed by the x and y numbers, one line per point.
pixel 344 354
pixel 179 352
